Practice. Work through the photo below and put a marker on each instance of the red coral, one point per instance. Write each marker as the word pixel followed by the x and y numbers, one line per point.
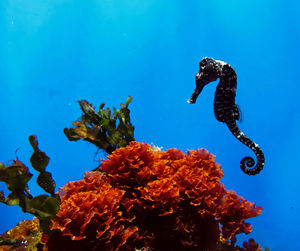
pixel 149 198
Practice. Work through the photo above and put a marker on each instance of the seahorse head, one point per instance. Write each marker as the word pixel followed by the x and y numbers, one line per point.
pixel 209 70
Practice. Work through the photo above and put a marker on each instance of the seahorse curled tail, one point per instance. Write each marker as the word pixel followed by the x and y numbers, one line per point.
pixel 248 162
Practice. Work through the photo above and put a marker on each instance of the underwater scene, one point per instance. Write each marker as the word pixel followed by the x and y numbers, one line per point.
pixel 149 125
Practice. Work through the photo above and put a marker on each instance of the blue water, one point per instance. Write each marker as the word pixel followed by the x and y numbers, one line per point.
pixel 53 53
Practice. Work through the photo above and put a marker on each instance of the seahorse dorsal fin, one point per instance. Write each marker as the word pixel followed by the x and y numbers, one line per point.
pixel 241 114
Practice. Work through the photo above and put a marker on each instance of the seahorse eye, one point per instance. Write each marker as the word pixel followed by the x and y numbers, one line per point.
pixel 202 65
pixel 202 62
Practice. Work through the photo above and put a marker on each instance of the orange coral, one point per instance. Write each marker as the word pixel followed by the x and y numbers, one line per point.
pixel 148 198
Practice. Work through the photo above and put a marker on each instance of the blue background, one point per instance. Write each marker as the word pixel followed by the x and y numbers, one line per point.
pixel 53 53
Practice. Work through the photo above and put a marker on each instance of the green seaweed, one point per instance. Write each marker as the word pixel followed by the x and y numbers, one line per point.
pixel 16 177
pixel 106 130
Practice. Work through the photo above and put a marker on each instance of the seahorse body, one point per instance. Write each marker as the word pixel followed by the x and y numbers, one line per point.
pixel 225 108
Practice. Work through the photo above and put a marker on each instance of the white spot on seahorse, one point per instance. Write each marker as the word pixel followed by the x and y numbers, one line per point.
pixel 240 135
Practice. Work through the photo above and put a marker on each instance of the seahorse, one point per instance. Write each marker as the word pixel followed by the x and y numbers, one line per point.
pixel 225 109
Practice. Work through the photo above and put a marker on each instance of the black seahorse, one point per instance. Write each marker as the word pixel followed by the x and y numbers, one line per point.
pixel 225 108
